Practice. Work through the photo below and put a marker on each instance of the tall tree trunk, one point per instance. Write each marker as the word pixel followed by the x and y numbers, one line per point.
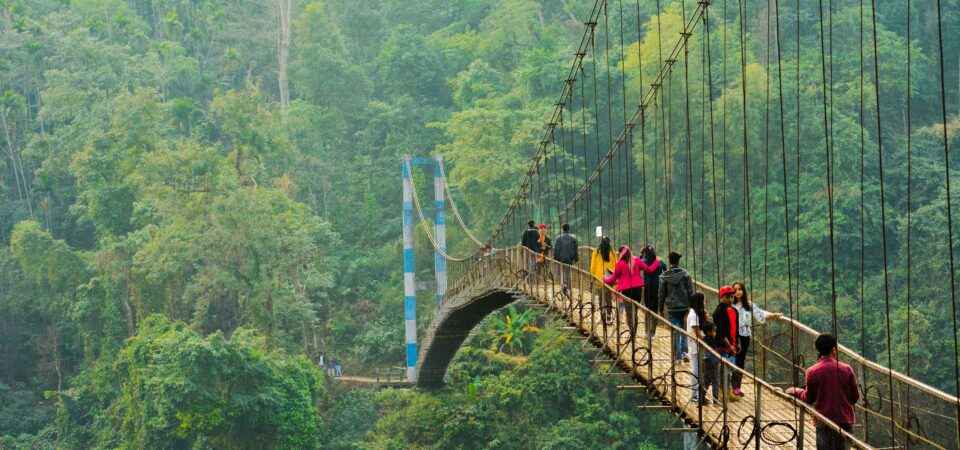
pixel 7 15
pixel 125 297
pixel 283 47
pixel 14 154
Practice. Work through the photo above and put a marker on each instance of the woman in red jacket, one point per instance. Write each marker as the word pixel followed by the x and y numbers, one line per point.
pixel 628 274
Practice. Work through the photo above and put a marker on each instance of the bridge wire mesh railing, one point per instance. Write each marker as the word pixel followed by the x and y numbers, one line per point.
pixel 640 342
pixel 928 420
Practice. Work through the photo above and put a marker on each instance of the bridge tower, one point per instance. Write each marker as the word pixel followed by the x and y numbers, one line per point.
pixel 440 264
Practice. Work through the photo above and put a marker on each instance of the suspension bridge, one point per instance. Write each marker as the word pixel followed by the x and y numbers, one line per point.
pixel 620 152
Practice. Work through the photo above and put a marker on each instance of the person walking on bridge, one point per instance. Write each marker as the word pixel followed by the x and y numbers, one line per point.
pixel 831 387
pixel 674 293
pixel 749 313
pixel 627 274
pixel 603 262
pixel 565 252
pixel 531 240
pixel 545 246
pixel 651 281
pixel 696 320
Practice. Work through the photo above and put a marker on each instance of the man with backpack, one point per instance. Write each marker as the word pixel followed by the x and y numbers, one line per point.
pixel 674 293
pixel 531 240
pixel 565 252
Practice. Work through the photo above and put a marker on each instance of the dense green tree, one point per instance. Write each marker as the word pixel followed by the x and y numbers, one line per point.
pixel 173 388
pixel 162 222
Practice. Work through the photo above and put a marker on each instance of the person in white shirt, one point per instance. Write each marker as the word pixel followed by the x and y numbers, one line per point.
pixel 749 314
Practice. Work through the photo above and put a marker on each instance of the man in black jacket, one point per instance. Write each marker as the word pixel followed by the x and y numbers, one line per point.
pixel 565 251
pixel 531 240
pixel 727 320
pixel 673 294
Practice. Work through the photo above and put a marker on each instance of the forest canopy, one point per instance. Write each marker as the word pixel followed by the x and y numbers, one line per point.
pixel 198 197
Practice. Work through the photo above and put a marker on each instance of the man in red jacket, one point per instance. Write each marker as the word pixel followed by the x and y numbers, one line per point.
pixel 832 390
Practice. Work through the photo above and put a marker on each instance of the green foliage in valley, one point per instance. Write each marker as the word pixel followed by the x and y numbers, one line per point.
pixel 192 207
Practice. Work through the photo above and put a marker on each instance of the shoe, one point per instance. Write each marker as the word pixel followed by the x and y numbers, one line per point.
pixel 738 392
pixel 686 358
pixel 704 402
pixel 730 397
pixel 733 393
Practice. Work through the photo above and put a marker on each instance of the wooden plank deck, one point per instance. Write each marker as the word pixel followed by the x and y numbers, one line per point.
pixel 780 419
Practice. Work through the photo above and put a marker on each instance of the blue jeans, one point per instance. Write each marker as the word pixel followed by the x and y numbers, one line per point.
pixel 678 319
pixel 728 371
pixel 827 439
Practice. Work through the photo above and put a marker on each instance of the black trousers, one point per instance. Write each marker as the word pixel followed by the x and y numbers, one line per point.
pixel 709 376
pixel 650 301
pixel 741 361
pixel 630 308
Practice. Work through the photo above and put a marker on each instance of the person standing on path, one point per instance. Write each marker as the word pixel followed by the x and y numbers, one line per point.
pixel 727 319
pixel 545 245
pixel 651 282
pixel 565 252
pixel 630 283
pixel 674 293
pixel 711 365
pixel 603 262
pixel 331 368
pixel 831 387
pixel 696 318
pixel 749 313
pixel 531 240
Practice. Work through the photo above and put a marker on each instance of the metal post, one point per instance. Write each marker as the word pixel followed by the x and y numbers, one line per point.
pixel 674 353
pixel 409 281
pixel 647 318
pixel 725 400
pixel 800 428
pixel 440 228
pixel 757 419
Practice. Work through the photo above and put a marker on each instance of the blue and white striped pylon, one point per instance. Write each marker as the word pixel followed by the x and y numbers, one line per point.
pixel 409 281
pixel 440 228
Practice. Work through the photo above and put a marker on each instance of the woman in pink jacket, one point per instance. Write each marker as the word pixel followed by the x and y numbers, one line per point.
pixel 628 274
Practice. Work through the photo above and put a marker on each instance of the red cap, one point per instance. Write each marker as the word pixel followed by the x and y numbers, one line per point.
pixel 726 290
pixel 543 225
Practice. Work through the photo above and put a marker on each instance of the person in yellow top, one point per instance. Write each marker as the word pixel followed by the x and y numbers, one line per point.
pixel 603 261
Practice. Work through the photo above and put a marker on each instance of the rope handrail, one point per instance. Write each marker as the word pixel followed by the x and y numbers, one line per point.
pixel 567 88
pixel 639 113
pixel 453 207
pixel 426 227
